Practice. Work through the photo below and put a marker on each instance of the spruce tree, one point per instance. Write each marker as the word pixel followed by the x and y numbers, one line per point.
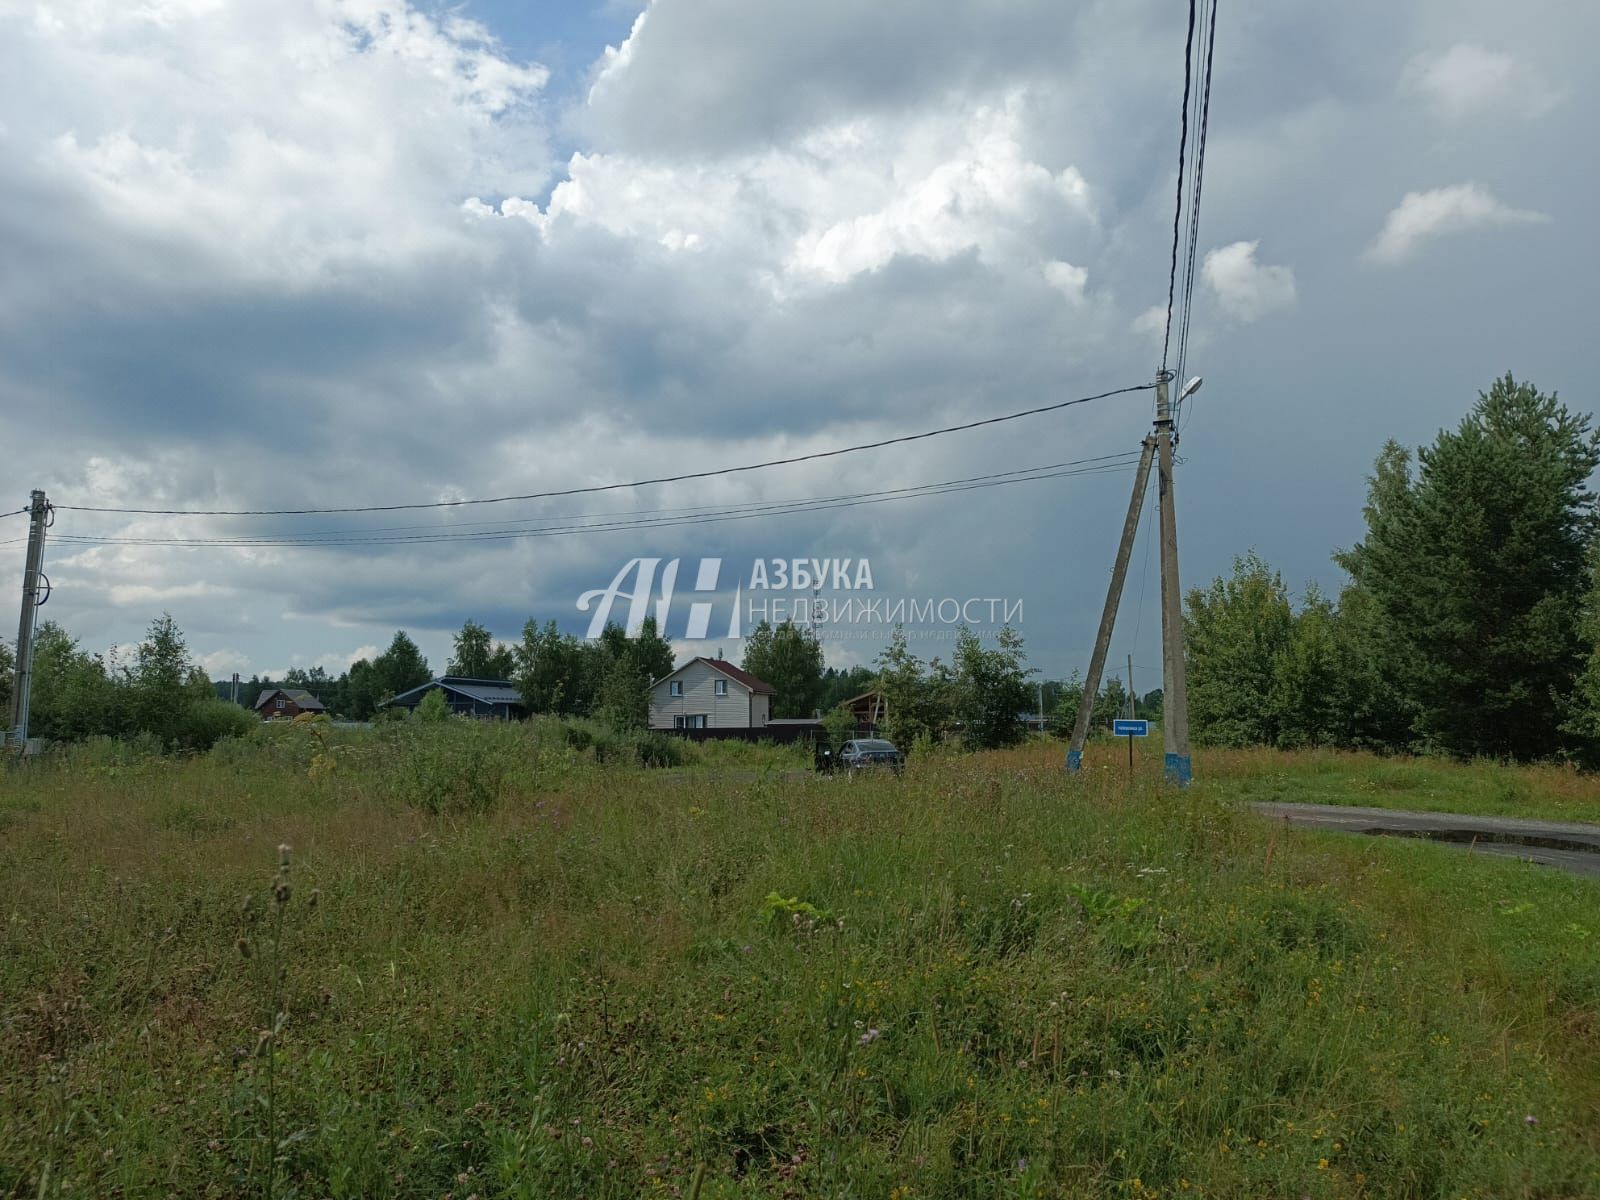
pixel 1477 570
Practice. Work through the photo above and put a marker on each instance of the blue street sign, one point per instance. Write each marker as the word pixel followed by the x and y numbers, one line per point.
pixel 1124 728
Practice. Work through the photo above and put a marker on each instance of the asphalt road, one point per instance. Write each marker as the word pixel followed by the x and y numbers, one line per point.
pixel 1568 846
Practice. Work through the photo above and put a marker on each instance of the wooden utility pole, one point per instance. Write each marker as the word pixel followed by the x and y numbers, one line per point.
pixel 1175 691
pixel 1108 615
pixel 1133 710
pixel 22 683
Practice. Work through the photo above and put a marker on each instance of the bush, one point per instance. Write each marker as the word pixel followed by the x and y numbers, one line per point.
pixel 204 723
pixel 455 766
pixel 658 750
pixel 434 707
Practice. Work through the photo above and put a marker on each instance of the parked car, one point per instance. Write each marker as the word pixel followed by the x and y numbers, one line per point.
pixel 861 753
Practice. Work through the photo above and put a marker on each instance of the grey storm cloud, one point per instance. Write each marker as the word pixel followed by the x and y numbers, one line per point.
pixel 321 254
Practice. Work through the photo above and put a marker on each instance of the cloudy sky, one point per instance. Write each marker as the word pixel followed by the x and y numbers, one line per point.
pixel 324 253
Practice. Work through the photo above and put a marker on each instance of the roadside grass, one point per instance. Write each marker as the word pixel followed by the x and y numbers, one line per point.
pixel 529 974
pixel 1556 793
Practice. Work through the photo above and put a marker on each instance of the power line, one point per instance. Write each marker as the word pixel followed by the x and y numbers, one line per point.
pixel 1197 184
pixel 1177 213
pixel 522 522
pixel 1100 465
pixel 611 487
pixel 448 532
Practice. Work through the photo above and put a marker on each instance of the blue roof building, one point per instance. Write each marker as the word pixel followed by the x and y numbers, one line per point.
pixel 492 699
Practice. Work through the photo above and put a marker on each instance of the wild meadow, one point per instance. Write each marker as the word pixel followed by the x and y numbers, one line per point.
pixel 470 961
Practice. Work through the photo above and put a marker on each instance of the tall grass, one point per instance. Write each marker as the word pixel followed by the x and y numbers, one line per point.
pixel 581 978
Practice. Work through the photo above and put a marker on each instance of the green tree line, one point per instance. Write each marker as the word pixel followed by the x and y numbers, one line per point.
pixel 1468 623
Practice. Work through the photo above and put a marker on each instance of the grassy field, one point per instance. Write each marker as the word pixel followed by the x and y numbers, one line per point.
pixel 495 968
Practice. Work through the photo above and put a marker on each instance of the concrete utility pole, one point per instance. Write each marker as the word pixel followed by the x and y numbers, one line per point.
pixel 22 683
pixel 1108 615
pixel 1175 698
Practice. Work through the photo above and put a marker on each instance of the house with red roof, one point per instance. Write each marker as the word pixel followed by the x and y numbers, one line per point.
pixel 710 693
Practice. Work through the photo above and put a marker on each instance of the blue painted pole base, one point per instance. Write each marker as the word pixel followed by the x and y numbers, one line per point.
pixel 1179 770
pixel 1074 760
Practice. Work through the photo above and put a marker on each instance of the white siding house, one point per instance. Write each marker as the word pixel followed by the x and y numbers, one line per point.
pixel 707 693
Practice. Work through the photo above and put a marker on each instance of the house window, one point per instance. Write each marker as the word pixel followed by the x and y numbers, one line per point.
pixel 675 688
pixel 722 687
pixel 692 721
pixel 281 701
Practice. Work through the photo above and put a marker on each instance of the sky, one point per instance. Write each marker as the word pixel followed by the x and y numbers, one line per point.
pixel 343 253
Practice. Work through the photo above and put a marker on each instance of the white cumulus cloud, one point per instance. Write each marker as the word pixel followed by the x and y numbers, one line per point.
pixel 1422 216
pixel 1466 80
pixel 1246 289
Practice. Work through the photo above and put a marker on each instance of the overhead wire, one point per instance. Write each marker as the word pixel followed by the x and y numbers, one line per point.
pixel 610 487
pixel 1202 126
pixel 1177 213
pixel 1102 465
pixel 512 524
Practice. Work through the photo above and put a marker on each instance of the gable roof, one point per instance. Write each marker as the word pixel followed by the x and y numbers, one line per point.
pixel 300 696
pixel 484 691
pixel 740 676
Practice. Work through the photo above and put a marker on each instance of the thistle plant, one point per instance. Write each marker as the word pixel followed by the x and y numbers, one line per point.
pixel 316 727
pixel 266 950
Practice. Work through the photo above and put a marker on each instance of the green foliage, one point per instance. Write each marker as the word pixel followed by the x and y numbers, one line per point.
pixel 651 653
pixel 982 692
pixel 1469 621
pixel 1307 700
pixel 788 657
pixel 1477 570
pixel 918 696
pixel 73 696
pixel 839 726
pixel 208 721
pixel 777 911
pixel 456 766
pixel 990 689
pixel 623 702
pixel 399 668
pixel 1099 904
pixel 162 694
pixel 1110 702
pixel 478 656
pixel 608 678
pixel 840 684
pixel 1236 632
pixel 606 743
pixel 653 748
pixel 1582 710
pixel 433 707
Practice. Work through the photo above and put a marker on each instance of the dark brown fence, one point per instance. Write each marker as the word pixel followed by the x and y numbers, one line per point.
pixel 781 734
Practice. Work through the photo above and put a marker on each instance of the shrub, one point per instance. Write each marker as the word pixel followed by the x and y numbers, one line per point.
pixel 454 766
pixel 434 707
pixel 658 750
pixel 204 723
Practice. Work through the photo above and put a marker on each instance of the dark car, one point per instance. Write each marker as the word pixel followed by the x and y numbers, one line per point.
pixel 860 753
